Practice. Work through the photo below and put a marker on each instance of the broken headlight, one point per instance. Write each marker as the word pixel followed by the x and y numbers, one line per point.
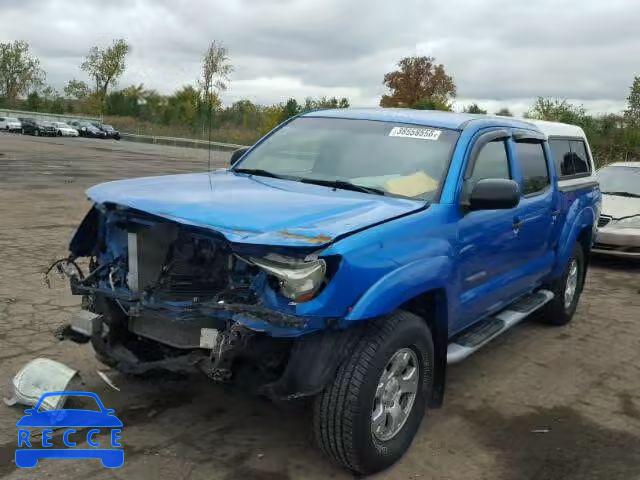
pixel 299 279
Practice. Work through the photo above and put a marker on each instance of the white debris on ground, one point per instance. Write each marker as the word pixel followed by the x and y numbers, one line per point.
pixel 40 375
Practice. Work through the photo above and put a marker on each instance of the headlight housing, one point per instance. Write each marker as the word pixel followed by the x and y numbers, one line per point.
pixel 629 222
pixel 299 280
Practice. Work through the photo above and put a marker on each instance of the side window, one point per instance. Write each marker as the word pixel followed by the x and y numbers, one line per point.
pixel 580 157
pixel 492 162
pixel 534 167
pixel 561 150
pixel 570 157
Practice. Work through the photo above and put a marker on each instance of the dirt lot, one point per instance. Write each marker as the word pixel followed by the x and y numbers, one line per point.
pixel 538 403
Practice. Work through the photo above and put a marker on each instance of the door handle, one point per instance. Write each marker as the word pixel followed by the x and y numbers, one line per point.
pixel 517 224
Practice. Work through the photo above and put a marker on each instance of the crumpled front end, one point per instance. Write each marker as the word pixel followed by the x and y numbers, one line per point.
pixel 158 294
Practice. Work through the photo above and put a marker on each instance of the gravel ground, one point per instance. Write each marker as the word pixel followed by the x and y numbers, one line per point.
pixel 537 403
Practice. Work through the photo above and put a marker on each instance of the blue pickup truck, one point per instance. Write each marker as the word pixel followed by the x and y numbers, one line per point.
pixel 348 256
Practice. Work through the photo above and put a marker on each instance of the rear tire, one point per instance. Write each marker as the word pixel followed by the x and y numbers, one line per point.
pixel 367 416
pixel 567 290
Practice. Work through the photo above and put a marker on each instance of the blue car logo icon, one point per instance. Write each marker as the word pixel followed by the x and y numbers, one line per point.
pixel 76 423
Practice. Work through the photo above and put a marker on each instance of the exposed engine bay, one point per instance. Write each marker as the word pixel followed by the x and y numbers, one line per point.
pixel 162 295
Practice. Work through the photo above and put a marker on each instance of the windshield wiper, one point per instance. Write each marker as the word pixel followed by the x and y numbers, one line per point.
pixel 623 194
pixel 256 171
pixel 344 185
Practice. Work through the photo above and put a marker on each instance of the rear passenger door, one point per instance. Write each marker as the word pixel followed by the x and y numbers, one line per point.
pixel 537 212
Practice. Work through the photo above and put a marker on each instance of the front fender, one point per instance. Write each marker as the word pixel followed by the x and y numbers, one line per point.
pixel 401 285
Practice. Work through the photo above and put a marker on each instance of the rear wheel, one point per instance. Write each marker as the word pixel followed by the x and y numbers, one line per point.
pixel 567 290
pixel 367 417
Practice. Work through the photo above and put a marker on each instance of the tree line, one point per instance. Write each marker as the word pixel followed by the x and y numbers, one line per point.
pixel 196 110
pixel 193 110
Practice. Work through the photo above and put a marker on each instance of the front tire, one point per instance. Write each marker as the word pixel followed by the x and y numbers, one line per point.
pixel 36 133
pixel 367 417
pixel 567 290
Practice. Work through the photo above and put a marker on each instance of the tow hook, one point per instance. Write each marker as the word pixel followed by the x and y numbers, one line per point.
pixel 229 344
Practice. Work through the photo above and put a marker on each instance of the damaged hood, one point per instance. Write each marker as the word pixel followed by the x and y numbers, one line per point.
pixel 254 209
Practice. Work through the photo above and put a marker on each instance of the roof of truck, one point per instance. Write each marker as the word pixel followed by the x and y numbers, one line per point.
pixel 431 118
pixel 557 129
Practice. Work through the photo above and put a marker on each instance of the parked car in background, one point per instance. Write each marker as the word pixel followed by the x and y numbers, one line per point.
pixel 619 223
pixel 65 130
pixel 11 124
pixel 31 126
pixel 88 129
pixel 349 256
pixel 108 130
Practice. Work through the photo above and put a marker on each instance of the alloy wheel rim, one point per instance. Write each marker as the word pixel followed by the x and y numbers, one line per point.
pixel 572 284
pixel 395 394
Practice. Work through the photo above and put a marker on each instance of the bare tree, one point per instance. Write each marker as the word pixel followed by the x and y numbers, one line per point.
pixel 215 71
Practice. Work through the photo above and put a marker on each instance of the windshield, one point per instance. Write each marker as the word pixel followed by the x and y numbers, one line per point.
pixel 619 180
pixel 11 119
pixel 396 159
pixel 46 124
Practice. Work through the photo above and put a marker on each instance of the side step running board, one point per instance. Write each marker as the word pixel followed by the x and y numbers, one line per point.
pixel 480 334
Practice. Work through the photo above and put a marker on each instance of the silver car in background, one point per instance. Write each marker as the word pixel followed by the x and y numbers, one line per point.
pixel 10 124
pixel 619 224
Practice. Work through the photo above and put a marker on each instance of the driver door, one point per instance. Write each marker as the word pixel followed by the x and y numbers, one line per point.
pixel 487 239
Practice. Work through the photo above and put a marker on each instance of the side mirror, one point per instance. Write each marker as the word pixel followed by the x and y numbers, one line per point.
pixel 494 194
pixel 235 156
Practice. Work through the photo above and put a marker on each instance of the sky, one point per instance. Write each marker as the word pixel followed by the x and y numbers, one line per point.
pixel 500 53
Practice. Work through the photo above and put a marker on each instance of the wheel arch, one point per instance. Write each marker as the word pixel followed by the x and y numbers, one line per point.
pixel 432 307
pixel 585 239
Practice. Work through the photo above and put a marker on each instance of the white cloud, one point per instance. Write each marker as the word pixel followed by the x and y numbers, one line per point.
pixel 500 52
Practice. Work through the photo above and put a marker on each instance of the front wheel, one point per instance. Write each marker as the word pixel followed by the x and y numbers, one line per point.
pixel 36 133
pixel 567 290
pixel 368 415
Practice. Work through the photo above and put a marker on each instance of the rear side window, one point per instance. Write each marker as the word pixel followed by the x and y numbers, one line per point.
pixel 580 157
pixel 570 157
pixel 534 167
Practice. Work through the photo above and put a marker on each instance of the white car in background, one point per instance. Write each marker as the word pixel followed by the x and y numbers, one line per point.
pixel 65 130
pixel 619 224
pixel 11 124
